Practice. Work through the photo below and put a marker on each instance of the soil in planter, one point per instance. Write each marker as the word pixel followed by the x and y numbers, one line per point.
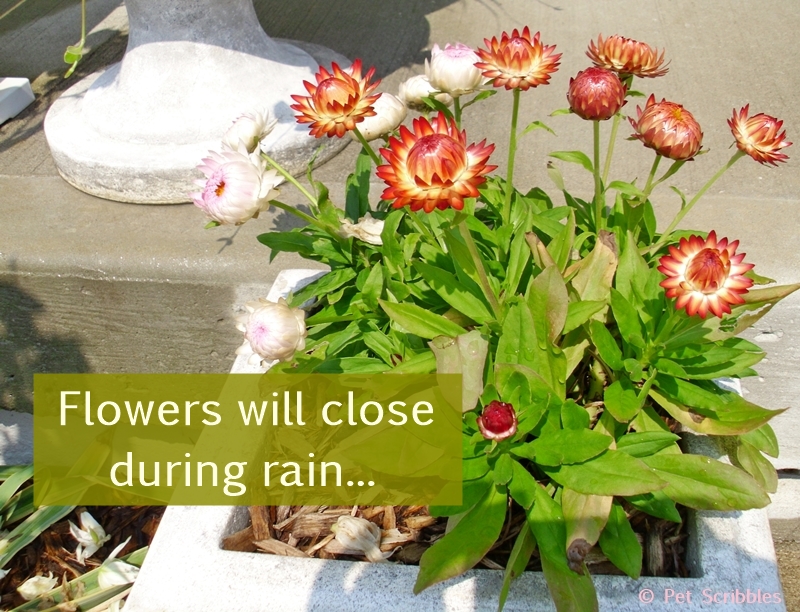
pixel 54 550
pixel 305 531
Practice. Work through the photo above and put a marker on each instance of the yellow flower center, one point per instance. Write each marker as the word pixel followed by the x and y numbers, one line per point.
pixel 708 270
pixel 220 189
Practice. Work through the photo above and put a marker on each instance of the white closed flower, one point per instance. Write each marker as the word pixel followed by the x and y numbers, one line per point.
pixel 116 572
pixel 272 331
pixel 368 230
pixel 91 536
pixel 390 112
pixel 417 87
pixel 247 131
pixel 360 534
pixel 237 187
pixel 452 69
pixel 36 585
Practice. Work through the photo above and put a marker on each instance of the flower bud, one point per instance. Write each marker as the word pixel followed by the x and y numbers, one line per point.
pixel 272 331
pixel 368 230
pixel 389 113
pixel 417 87
pixel 668 128
pixel 360 534
pixel 759 136
pixel 596 94
pixel 452 69
pixel 498 421
pixel 247 131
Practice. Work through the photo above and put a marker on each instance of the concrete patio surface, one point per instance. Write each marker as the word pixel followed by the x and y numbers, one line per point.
pixel 88 285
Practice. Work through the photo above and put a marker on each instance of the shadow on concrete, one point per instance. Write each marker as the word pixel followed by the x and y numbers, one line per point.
pixel 387 36
pixel 25 351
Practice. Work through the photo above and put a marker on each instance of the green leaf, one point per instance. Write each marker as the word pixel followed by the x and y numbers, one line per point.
pixel 466 544
pixel 471 493
pixel 626 188
pixel 627 319
pixel 764 439
pixel 421 322
pixel 574 416
pixel 465 355
pixel 584 516
pixel 290 242
pixel 612 473
pixel 548 301
pixel 357 188
pixel 646 443
pixel 423 363
pixel 575 157
pixel 30 529
pixel 708 410
pixel 537 125
pixel 521 553
pixel 571 592
pixel 518 258
pixel 522 486
pixel 330 282
pixel 618 542
pixel 656 503
pixel 454 293
pixel 757 465
pixel 703 483
pixel 579 312
pixel 567 446
pixel 12 483
pixel 621 400
pixel 607 347
pixel 561 111
pixel 503 470
pixel 596 272
pixel 373 287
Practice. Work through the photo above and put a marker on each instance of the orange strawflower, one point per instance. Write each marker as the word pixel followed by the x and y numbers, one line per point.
pixel 518 61
pixel 668 128
pixel 338 101
pixel 705 275
pixel 432 167
pixel 627 56
pixel 759 136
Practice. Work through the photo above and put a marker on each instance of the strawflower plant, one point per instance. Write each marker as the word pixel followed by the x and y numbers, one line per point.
pixel 588 338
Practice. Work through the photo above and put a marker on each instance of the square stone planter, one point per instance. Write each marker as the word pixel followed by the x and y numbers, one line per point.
pixel 730 556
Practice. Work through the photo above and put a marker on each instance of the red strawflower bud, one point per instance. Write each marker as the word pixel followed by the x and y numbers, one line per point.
pixel 498 421
pixel 596 94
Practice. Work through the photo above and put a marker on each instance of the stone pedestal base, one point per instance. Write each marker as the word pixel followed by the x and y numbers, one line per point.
pixel 136 131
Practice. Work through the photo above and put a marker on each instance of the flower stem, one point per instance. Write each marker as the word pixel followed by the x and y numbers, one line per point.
pixel 366 146
pixel 512 150
pixel 599 200
pixel 649 185
pixel 610 151
pixel 476 258
pixel 291 179
pixel 665 237
pixel 457 110
pixel 301 215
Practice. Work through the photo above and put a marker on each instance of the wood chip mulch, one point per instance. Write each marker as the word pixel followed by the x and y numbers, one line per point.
pixel 54 550
pixel 305 531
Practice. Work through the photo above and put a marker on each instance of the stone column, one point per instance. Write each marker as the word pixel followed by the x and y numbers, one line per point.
pixel 136 131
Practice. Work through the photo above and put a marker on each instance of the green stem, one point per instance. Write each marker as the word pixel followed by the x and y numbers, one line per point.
pixel 473 251
pixel 297 213
pixel 627 81
pixel 610 151
pixel 512 150
pixel 457 110
pixel 665 237
pixel 649 185
pixel 291 179
pixel 599 200
pixel 366 146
